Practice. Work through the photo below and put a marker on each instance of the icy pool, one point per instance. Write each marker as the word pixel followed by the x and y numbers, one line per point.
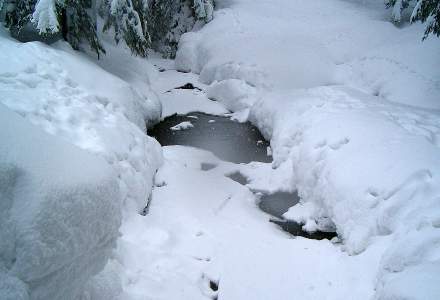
pixel 227 139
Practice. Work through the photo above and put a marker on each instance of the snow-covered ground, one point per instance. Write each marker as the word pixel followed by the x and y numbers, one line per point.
pixel 203 226
pixel 351 103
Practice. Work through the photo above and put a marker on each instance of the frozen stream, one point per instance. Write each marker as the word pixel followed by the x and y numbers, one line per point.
pixel 236 142
pixel 207 234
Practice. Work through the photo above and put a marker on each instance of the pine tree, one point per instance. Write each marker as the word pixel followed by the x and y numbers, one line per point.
pixel 45 16
pixel 127 18
pixel 397 7
pixel 164 17
pixel 169 19
pixel 131 21
pixel 203 10
pixel 428 11
pixel 81 26
pixel 20 15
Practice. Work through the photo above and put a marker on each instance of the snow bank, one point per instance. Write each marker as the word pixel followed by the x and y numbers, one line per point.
pixel 69 96
pixel 300 61
pixel 365 150
pixel 60 213
pixel 234 94
pixel 291 44
pixel 66 94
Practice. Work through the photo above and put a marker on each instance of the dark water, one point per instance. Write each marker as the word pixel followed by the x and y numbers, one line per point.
pixel 238 177
pixel 207 166
pixel 296 229
pixel 235 142
pixel 278 203
pixel 227 139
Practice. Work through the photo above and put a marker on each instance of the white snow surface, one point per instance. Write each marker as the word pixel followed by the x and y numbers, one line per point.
pixel 203 226
pixel 175 100
pixel 60 213
pixel 67 191
pixel 352 105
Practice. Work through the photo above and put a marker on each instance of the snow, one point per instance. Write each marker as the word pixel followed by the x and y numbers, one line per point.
pixel 186 101
pixel 60 213
pixel 182 126
pixel 45 16
pixel 351 105
pixel 95 120
pixel 182 101
pixel 349 102
pixel 203 226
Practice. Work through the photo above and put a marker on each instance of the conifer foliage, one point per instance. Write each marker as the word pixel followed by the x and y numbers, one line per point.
pixel 426 11
pixel 127 18
pixel 141 24
pixel 81 26
pixel 169 19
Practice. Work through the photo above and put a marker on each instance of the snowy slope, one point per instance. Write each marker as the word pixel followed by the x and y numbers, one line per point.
pixel 79 104
pixel 351 103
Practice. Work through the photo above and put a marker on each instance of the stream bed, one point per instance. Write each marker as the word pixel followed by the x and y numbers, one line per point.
pixel 235 142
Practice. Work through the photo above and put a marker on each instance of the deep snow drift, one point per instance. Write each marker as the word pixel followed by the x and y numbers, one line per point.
pixel 343 96
pixel 68 190
pixel 60 212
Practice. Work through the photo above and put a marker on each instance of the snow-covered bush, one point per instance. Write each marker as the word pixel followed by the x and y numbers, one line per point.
pixel 169 19
pixel 426 11
pixel 128 20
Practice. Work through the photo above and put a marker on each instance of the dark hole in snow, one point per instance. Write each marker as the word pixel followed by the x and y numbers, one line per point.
pixel 295 229
pixel 277 204
pixel 188 86
pixel 227 139
pixel 207 166
pixel 213 285
pixel 238 177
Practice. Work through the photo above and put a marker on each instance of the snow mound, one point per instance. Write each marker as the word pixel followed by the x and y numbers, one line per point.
pixel 300 61
pixel 76 101
pixel 69 96
pixel 235 94
pixel 364 167
pixel 60 213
